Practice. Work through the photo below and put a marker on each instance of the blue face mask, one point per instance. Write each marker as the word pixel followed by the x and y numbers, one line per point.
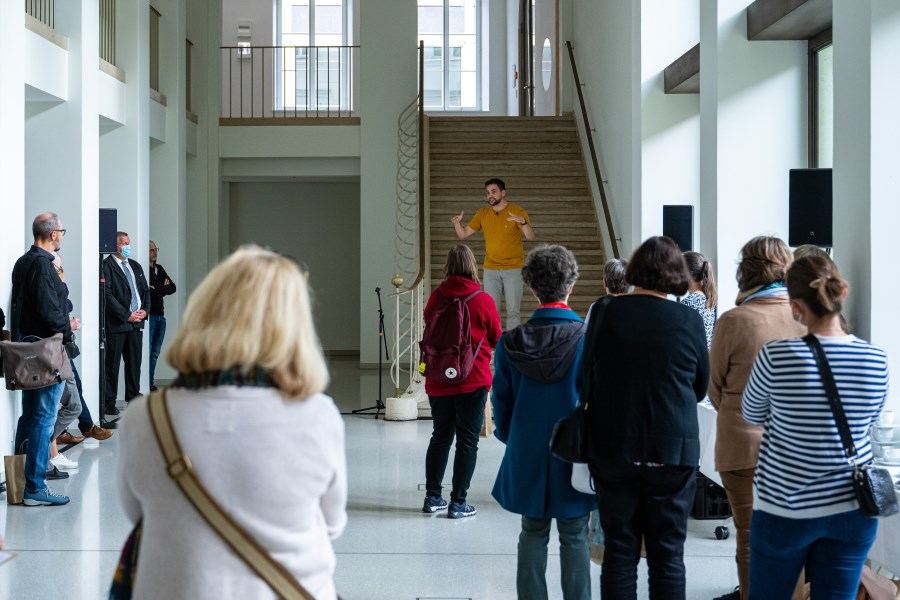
pixel 126 251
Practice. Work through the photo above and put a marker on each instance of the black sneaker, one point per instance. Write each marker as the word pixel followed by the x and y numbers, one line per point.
pixel 111 410
pixel 433 504
pixel 54 473
pixel 733 595
pixel 460 510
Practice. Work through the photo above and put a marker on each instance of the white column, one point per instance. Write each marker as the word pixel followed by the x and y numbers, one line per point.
pixel 13 226
pixel 124 151
pixel 756 103
pixel 388 84
pixel 866 178
pixel 168 169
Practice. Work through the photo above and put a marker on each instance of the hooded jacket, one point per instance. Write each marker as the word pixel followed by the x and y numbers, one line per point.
pixel 537 370
pixel 484 321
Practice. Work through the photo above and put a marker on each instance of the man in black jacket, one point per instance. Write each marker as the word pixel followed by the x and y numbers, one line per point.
pixel 127 304
pixel 160 286
pixel 39 309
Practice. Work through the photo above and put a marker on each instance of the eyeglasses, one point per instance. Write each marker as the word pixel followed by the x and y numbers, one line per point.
pixel 154 249
pixel 62 231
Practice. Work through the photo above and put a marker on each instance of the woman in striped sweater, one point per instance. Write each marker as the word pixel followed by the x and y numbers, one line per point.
pixel 805 511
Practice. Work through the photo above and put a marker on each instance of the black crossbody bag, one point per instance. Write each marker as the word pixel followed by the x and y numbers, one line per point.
pixel 872 485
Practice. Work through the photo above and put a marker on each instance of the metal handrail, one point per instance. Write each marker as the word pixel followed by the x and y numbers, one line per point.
pixel 410 224
pixel 258 80
pixel 590 138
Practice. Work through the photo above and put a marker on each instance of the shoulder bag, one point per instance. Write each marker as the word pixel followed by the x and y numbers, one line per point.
pixel 180 469
pixel 872 485
pixel 569 440
pixel 35 364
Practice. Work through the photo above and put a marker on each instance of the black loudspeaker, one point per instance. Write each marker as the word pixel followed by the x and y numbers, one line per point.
pixel 108 228
pixel 809 219
pixel 678 224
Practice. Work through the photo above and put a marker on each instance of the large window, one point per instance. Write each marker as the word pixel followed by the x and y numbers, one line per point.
pixel 315 72
pixel 821 101
pixel 450 30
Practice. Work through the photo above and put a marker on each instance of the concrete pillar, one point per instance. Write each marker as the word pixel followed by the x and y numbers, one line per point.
pixel 866 179
pixel 13 241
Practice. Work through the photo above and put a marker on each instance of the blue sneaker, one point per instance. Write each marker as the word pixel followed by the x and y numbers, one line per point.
pixel 434 504
pixel 460 510
pixel 44 497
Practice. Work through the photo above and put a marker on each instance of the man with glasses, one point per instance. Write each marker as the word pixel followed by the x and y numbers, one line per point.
pixel 127 303
pixel 160 286
pixel 39 309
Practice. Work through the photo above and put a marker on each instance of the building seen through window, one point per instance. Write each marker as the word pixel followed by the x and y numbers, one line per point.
pixel 450 30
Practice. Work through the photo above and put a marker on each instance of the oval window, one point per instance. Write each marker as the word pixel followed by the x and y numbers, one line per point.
pixel 546 64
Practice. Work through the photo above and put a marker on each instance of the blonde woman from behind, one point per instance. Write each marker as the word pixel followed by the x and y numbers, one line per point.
pixel 248 410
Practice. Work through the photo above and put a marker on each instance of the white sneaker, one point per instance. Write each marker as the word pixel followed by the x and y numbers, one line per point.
pixel 62 463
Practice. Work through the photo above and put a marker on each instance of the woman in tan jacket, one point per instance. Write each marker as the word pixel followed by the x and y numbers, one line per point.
pixel 762 314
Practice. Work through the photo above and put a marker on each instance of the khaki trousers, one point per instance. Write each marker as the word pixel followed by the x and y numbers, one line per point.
pixel 739 488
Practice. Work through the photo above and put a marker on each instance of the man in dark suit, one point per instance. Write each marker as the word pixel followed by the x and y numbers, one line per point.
pixel 127 305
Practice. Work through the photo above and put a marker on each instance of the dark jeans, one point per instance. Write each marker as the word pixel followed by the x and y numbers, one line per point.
pixel 125 346
pixel 36 425
pixel 638 501
pixel 833 548
pixel 157 335
pixel 85 420
pixel 574 558
pixel 462 415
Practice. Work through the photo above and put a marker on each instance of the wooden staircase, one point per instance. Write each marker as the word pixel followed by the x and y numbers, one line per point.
pixel 540 160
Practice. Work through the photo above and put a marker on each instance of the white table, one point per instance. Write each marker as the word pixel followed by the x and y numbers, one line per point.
pixel 886 549
pixel 706 416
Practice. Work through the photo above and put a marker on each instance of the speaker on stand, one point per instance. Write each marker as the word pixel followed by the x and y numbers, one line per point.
pixel 810 208
pixel 678 224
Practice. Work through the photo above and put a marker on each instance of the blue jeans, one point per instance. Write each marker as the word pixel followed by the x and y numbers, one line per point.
pixel 157 334
pixel 832 548
pixel 36 425
pixel 574 558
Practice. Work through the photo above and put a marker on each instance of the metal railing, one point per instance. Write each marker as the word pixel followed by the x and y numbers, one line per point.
pixel 42 10
pixel 594 160
pixel 108 31
pixel 272 82
pixel 154 49
pixel 410 250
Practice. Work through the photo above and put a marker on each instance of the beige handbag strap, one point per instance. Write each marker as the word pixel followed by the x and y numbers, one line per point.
pixel 181 470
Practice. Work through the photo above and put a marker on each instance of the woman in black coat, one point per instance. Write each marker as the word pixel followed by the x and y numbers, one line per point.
pixel 648 366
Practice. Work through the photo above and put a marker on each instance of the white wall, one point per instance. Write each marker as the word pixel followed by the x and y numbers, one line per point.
pixel 606 40
pixel 754 100
pixel 670 123
pixel 319 224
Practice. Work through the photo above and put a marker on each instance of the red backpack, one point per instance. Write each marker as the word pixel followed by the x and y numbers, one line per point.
pixel 447 350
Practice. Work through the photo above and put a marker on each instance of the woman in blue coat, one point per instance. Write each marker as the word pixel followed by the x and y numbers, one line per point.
pixel 536 368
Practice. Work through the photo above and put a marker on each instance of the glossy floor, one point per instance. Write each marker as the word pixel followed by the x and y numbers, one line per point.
pixel 389 551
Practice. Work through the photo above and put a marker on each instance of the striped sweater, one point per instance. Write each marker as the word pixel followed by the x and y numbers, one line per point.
pixel 802 471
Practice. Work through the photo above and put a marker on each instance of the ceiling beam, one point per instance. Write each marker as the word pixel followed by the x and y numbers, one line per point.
pixel 788 19
pixel 683 75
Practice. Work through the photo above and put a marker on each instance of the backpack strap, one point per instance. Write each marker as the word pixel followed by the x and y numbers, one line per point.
pixel 466 300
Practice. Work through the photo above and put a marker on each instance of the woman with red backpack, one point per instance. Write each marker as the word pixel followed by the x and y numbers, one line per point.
pixel 462 323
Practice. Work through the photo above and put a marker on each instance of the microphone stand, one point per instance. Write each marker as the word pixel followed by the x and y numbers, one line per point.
pixel 382 344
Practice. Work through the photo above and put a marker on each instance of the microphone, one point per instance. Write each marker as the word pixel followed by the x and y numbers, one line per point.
pixel 378 290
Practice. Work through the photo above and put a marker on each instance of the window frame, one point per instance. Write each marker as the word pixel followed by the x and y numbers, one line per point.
pixel 445 60
pixel 313 90
pixel 815 44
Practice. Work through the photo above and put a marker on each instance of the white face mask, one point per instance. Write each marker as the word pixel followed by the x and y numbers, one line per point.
pixel 126 251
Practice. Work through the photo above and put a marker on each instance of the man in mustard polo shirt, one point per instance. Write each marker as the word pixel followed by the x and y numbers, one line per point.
pixel 503 224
